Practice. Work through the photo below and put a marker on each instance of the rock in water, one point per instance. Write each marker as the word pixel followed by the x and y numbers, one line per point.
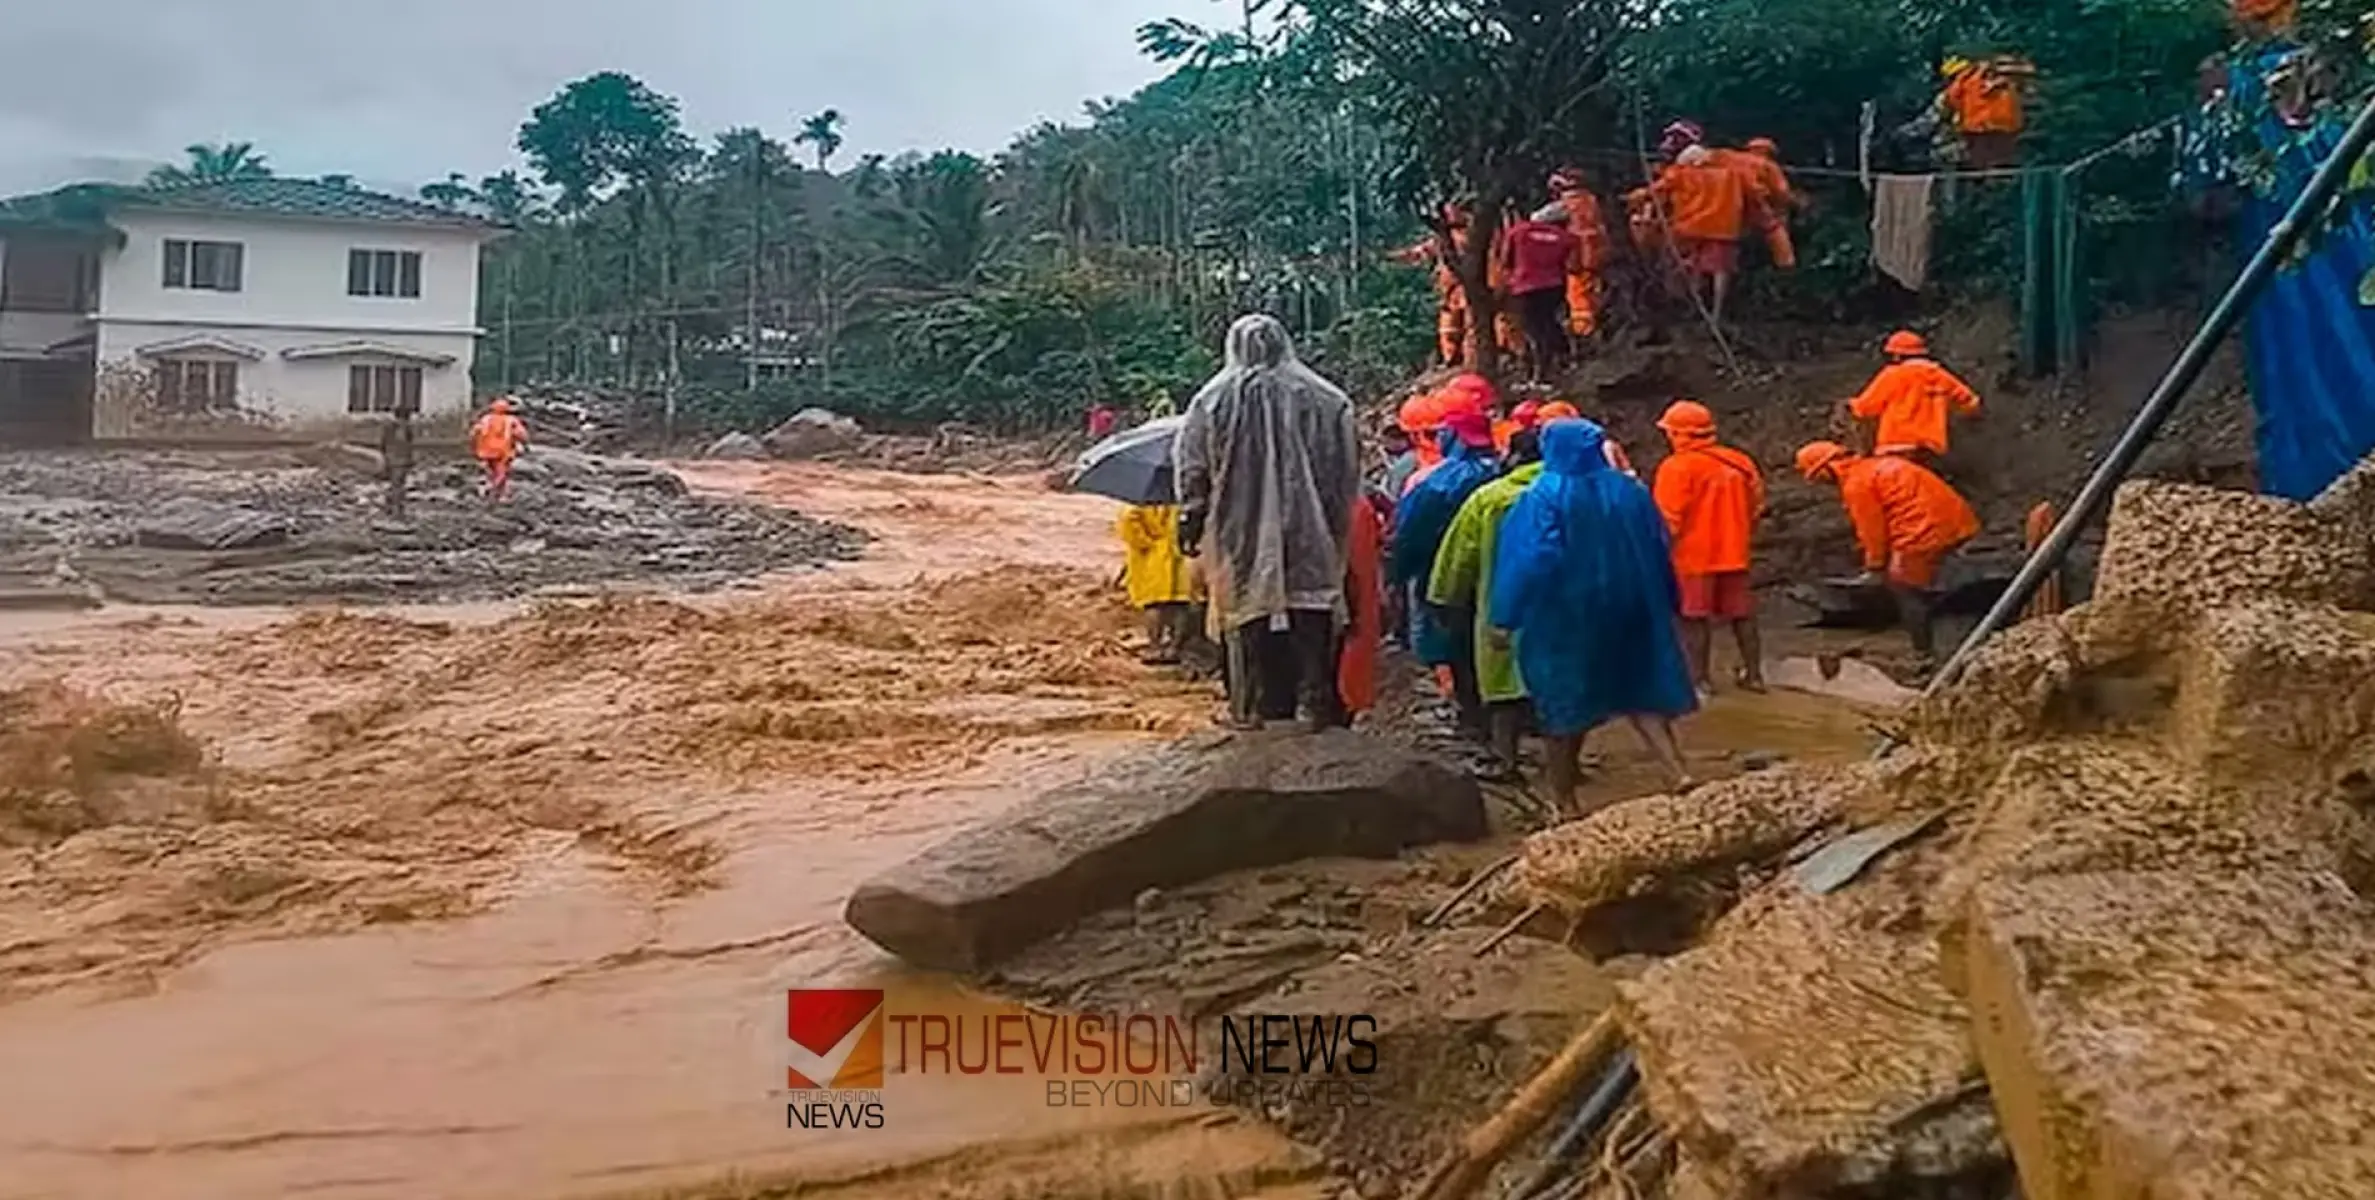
pixel 736 445
pixel 811 432
pixel 197 525
pixel 1171 816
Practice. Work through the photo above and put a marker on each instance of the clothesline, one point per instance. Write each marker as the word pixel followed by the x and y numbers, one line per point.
pixel 2073 166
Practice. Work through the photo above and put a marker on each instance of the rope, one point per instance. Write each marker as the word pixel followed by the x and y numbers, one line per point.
pixel 2082 162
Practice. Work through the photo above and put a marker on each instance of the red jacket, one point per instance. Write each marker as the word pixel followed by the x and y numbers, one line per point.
pixel 1539 256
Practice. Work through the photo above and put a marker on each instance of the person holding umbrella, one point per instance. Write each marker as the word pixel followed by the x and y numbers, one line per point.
pixel 1268 468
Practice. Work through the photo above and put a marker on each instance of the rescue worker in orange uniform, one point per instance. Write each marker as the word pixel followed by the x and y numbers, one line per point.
pixel 496 440
pixel 1758 163
pixel 1420 417
pixel 1571 193
pixel 1981 103
pixel 1711 495
pixel 1906 519
pixel 1706 206
pixel 1451 304
pixel 1910 399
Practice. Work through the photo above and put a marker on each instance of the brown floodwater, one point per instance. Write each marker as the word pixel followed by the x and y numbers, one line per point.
pixel 584 1032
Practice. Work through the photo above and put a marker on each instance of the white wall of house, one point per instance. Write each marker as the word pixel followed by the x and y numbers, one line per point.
pixel 294 275
pixel 293 297
pixel 299 391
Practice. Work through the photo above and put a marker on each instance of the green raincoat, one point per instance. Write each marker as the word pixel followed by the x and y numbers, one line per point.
pixel 1463 576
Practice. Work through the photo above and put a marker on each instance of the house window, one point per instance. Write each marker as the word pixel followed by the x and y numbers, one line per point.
pixel 204 266
pixel 383 273
pixel 197 384
pixel 376 389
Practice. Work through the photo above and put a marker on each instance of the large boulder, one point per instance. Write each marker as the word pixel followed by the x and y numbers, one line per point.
pixel 190 524
pixel 811 432
pixel 736 445
pixel 1170 816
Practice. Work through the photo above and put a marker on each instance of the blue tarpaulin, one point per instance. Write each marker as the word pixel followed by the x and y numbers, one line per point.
pixel 2308 344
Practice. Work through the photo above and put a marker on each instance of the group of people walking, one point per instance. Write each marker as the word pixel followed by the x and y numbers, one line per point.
pixel 1513 545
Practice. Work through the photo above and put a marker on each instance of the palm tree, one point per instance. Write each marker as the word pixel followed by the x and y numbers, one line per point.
pixel 214 164
pixel 823 132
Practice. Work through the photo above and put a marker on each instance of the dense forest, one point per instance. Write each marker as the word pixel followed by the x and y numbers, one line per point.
pixel 1277 166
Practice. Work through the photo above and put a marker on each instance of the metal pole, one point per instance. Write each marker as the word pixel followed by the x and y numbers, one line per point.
pixel 2306 212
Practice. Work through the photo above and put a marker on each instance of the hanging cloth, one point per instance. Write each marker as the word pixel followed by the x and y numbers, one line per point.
pixel 1901 208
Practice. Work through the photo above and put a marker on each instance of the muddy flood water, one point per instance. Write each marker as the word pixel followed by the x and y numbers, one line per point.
pixel 502 901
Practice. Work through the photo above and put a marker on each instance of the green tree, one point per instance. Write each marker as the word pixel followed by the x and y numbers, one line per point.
pixel 213 164
pixel 822 135
pixel 1469 87
pixel 453 193
pixel 509 199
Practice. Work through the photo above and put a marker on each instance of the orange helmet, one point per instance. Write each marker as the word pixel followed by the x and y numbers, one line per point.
pixel 1763 145
pixel 1814 458
pixel 502 404
pixel 1687 417
pixel 1905 341
pixel 1422 414
pixel 1557 410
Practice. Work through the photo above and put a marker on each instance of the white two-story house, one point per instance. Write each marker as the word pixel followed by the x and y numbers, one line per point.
pixel 247 305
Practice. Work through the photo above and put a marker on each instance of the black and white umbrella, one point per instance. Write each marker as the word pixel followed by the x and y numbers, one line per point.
pixel 1133 466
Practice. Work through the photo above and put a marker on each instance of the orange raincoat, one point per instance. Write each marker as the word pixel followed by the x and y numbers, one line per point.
pixel 1769 186
pixel 1711 495
pixel 1583 283
pixel 1907 520
pixel 1984 98
pixel 498 436
pixel 1910 400
pixel 1709 202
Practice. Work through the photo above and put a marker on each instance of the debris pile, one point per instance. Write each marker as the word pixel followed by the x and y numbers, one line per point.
pixel 279 527
pixel 2119 942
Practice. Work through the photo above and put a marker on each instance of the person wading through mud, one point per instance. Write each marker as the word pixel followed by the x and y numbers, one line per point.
pixel 1444 637
pixel 1583 588
pixel 396 455
pixel 496 441
pixel 1711 495
pixel 1155 574
pixel 1462 582
pixel 1910 400
pixel 1907 521
pixel 1268 465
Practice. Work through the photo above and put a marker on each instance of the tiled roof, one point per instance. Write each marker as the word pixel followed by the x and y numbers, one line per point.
pixel 278 197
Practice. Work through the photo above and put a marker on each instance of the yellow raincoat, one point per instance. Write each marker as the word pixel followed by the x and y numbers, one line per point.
pixel 1154 571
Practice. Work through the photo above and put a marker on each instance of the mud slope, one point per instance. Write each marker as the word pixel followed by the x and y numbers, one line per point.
pixel 2133 955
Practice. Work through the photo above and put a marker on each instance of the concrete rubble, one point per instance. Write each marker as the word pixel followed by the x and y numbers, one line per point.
pixel 1170 816
pixel 2135 959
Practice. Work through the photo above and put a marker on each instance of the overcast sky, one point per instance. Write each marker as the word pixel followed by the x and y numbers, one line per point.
pixel 402 91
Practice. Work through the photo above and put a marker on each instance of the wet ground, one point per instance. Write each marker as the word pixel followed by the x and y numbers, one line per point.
pixel 308 526
pixel 501 901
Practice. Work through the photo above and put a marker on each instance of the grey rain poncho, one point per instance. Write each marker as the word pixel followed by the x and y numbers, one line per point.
pixel 1268 462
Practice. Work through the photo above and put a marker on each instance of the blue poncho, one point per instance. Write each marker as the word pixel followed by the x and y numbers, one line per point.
pixel 1583 578
pixel 1420 522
